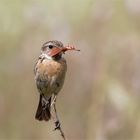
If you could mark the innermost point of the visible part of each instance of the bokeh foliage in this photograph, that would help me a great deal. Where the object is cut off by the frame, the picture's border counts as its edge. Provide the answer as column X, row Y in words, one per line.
column 101, row 95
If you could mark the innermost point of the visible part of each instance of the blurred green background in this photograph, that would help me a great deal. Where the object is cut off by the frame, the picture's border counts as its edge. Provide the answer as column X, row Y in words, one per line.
column 100, row 99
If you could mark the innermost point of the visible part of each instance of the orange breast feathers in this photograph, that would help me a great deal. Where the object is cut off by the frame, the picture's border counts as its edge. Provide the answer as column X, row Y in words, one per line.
column 51, row 67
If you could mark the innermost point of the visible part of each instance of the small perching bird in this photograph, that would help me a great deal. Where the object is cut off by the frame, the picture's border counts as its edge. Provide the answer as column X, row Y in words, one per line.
column 50, row 71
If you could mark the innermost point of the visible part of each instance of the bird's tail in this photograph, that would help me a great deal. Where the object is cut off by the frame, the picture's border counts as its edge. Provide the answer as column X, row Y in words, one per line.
column 43, row 110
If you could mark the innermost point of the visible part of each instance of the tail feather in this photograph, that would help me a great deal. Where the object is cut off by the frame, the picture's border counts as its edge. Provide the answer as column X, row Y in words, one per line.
column 43, row 110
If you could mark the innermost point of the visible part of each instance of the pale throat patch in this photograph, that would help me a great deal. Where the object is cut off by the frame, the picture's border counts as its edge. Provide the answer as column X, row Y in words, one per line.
column 46, row 56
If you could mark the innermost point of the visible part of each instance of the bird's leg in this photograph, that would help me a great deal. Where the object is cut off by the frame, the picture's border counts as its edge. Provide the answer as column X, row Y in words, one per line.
column 53, row 101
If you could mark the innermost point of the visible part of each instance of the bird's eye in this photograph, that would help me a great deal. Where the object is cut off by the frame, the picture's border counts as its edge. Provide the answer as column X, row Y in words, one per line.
column 50, row 46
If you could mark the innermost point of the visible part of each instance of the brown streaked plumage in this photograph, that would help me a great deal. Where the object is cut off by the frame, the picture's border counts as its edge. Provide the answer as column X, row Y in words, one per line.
column 50, row 72
column 49, row 76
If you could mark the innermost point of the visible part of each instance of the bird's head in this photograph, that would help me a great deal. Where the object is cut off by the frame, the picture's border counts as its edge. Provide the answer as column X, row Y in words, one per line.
column 54, row 49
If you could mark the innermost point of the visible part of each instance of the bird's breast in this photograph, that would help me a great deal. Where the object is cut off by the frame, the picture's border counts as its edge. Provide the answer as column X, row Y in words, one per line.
column 53, row 72
column 52, row 68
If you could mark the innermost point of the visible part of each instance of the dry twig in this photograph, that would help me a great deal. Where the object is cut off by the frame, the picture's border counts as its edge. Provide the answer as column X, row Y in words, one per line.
column 57, row 122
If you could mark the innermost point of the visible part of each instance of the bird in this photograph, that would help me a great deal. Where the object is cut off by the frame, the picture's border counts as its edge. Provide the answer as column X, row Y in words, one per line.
column 50, row 70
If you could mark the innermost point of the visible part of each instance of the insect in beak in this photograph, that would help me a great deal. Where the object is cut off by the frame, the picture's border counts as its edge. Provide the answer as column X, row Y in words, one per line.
column 69, row 47
column 57, row 50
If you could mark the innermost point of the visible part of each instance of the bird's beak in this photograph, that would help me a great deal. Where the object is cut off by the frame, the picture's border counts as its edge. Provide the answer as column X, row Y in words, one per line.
column 57, row 50
column 54, row 51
